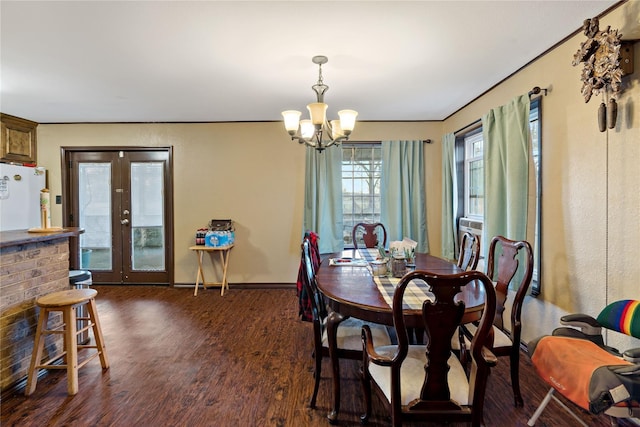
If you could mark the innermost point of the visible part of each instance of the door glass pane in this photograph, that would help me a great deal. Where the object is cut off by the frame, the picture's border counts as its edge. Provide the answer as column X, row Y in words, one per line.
column 147, row 216
column 94, row 193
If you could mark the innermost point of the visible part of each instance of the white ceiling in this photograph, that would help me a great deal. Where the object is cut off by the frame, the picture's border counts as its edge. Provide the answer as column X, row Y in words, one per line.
column 210, row 61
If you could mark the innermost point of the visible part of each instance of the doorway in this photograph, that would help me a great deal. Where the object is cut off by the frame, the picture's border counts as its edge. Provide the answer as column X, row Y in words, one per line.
column 123, row 199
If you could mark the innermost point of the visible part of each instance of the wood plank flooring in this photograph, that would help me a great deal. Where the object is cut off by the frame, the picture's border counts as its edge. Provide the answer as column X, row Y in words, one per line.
column 239, row 360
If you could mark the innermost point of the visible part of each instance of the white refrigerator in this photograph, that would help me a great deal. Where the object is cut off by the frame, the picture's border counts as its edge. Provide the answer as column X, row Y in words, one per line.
column 20, row 188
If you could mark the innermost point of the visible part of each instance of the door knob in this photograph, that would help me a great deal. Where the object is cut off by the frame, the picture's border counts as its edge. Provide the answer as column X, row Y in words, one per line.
column 124, row 221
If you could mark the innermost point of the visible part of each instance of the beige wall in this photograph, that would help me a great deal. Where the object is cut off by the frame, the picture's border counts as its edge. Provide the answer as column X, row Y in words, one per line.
column 250, row 172
column 591, row 196
column 253, row 173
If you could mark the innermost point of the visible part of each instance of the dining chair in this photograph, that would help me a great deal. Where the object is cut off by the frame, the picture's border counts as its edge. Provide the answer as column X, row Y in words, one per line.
column 348, row 331
column 367, row 234
column 467, row 260
column 428, row 382
column 502, row 266
column 469, row 252
column 304, row 299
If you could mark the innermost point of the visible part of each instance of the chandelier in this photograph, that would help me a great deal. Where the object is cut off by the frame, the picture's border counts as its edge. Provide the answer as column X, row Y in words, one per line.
column 317, row 132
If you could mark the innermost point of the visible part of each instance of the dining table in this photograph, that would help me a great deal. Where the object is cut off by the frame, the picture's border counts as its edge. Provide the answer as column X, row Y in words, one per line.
column 350, row 289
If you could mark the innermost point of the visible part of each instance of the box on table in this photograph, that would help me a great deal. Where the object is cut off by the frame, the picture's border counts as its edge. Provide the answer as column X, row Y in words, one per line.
column 217, row 239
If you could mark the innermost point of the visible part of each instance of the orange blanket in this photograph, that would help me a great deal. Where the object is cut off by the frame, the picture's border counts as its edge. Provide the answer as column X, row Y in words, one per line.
column 567, row 364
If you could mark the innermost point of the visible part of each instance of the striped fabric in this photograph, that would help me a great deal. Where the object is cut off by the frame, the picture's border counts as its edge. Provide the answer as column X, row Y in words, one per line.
column 415, row 293
column 622, row 316
column 370, row 254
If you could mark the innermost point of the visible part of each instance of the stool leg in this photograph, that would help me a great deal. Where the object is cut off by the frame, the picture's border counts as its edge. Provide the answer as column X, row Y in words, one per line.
column 36, row 356
column 97, row 333
column 71, row 348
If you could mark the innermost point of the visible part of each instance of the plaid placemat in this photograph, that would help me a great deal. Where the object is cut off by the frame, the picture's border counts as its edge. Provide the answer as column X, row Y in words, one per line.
column 370, row 254
column 415, row 293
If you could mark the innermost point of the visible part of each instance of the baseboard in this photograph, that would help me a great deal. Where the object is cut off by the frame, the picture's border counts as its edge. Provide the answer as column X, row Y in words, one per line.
column 243, row 286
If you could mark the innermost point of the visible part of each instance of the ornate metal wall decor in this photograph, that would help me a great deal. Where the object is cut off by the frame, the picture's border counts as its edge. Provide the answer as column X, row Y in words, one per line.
column 602, row 73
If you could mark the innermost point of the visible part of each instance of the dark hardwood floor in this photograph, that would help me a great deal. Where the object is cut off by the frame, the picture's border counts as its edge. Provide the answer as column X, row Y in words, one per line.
column 239, row 360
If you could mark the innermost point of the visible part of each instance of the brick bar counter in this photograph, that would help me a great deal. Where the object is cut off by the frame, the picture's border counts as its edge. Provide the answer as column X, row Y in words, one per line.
column 31, row 265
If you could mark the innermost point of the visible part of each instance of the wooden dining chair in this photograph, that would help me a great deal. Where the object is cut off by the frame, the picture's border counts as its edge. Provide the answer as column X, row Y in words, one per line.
column 304, row 299
column 348, row 332
column 428, row 382
column 502, row 265
column 469, row 252
column 367, row 234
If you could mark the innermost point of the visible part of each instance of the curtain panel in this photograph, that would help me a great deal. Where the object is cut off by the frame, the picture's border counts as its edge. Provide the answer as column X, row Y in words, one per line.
column 449, row 198
column 506, row 172
column 323, row 197
column 402, row 192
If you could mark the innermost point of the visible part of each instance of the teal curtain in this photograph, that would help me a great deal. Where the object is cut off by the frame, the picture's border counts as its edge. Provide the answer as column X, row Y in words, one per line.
column 402, row 192
column 506, row 171
column 323, row 197
column 449, row 197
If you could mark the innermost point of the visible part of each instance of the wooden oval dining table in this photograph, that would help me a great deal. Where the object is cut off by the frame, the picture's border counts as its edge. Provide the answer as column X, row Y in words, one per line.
column 351, row 291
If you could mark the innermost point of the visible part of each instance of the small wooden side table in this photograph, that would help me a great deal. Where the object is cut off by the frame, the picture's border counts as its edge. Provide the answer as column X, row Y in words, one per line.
column 224, row 259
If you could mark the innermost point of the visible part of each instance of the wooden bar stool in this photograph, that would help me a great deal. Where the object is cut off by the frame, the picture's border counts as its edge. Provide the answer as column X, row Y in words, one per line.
column 66, row 302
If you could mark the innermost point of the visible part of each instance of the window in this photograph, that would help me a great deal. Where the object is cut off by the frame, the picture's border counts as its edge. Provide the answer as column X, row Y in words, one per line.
column 534, row 128
column 473, row 175
column 361, row 168
column 470, row 147
column 473, row 163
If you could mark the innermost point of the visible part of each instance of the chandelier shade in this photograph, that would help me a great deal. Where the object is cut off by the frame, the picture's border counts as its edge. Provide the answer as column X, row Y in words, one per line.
column 318, row 132
column 291, row 121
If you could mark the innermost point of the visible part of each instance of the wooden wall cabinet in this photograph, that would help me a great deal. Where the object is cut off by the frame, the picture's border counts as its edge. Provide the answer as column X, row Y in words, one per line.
column 18, row 140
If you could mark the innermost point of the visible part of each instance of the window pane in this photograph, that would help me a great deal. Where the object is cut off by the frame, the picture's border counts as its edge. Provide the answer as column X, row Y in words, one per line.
column 476, row 148
column 476, row 188
column 474, row 175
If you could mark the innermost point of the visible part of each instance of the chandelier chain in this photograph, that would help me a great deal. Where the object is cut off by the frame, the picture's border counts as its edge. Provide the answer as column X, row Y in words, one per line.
column 320, row 88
